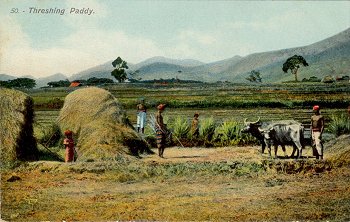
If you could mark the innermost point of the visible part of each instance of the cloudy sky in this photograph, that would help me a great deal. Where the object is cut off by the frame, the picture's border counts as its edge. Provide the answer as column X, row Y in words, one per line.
column 43, row 44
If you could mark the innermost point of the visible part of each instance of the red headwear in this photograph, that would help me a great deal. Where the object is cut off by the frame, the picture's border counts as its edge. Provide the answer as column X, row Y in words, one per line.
column 316, row 108
column 68, row 133
column 161, row 107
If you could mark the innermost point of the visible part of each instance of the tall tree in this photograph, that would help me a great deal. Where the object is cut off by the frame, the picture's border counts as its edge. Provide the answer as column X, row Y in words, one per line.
column 293, row 64
column 119, row 71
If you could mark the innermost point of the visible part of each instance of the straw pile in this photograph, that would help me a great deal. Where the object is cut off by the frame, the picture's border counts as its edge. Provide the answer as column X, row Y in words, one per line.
column 339, row 149
column 16, row 127
column 100, row 127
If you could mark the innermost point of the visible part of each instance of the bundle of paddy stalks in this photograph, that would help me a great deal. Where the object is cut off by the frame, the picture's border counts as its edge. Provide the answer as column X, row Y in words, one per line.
column 338, row 150
column 100, row 127
column 16, row 127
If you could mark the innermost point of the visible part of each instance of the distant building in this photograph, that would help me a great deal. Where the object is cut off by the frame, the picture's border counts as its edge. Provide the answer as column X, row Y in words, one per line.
column 75, row 84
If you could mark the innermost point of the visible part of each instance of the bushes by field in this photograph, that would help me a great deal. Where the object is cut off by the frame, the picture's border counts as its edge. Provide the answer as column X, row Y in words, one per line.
column 340, row 125
column 211, row 133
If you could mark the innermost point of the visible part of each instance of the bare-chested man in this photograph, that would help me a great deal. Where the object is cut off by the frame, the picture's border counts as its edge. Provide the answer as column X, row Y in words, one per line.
column 317, row 127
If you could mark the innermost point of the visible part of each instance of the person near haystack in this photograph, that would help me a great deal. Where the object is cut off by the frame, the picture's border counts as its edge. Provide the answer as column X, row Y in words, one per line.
column 68, row 142
column 160, row 130
column 317, row 127
column 141, row 116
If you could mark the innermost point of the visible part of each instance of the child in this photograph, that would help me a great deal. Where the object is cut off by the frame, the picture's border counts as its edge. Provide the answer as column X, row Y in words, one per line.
column 68, row 142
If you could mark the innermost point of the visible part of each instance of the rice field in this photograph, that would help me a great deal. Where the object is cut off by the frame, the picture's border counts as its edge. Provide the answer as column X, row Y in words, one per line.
column 233, row 183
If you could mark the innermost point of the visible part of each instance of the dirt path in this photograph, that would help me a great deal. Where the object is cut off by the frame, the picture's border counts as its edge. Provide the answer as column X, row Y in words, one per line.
column 56, row 191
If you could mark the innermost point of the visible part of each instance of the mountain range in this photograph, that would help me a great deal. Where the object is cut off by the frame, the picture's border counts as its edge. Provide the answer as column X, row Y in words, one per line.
column 330, row 56
column 327, row 57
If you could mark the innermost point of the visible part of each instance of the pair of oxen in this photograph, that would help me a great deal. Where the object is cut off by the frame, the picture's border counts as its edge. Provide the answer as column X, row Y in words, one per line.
column 283, row 132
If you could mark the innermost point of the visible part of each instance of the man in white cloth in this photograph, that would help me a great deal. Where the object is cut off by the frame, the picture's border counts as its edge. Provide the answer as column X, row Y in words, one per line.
column 317, row 127
column 141, row 116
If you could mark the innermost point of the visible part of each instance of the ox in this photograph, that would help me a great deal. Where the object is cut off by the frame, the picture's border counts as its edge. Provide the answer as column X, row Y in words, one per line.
column 284, row 134
column 254, row 128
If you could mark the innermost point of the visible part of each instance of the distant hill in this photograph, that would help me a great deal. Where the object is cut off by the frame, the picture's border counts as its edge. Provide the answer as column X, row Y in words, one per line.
column 5, row 77
column 104, row 70
column 100, row 71
column 53, row 78
column 327, row 57
column 161, row 60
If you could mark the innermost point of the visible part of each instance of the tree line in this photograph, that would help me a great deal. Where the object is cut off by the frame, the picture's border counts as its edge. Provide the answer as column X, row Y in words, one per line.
column 26, row 83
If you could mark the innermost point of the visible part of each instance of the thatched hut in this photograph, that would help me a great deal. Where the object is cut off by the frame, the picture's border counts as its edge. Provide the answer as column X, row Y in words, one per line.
column 100, row 126
column 16, row 127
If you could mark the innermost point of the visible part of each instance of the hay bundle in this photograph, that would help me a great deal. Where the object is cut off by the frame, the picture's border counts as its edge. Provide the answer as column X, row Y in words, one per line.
column 339, row 149
column 101, row 128
column 16, row 127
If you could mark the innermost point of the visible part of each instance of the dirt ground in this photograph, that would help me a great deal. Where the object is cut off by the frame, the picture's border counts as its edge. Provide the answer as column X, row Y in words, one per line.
column 53, row 191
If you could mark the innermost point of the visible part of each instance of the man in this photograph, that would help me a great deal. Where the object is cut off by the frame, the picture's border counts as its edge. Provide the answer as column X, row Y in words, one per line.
column 317, row 127
column 141, row 116
column 195, row 126
column 160, row 130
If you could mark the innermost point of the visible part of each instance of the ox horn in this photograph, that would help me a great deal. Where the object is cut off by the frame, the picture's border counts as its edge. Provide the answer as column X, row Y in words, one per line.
column 257, row 121
column 245, row 121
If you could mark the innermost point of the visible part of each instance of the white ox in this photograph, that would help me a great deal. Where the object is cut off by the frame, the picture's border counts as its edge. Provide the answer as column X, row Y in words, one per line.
column 284, row 134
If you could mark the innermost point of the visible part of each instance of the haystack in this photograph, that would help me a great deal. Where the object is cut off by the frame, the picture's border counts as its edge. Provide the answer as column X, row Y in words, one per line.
column 100, row 126
column 16, row 127
column 339, row 149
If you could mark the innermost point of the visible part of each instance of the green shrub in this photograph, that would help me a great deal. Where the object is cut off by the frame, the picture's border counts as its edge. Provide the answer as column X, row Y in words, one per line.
column 228, row 133
column 207, row 130
column 340, row 125
column 181, row 127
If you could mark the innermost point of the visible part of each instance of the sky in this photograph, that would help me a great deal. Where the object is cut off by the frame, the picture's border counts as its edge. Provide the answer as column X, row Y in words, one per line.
column 41, row 44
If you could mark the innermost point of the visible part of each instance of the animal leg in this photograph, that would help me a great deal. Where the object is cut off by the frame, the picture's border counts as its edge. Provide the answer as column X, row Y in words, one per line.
column 299, row 147
column 263, row 146
column 293, row 152
column 284, row 150
column 269, row 149
column 275, row 149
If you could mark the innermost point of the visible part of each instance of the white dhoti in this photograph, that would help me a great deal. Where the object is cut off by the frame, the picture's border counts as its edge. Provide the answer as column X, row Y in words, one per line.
column 141, row 120
column 316, row 138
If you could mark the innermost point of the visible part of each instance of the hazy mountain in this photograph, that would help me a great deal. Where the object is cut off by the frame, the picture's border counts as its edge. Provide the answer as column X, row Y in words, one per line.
column 326, row 57
column 161, row 60
column 5, row 77
column 100, row 71
column 52, row 78
column 104, row 70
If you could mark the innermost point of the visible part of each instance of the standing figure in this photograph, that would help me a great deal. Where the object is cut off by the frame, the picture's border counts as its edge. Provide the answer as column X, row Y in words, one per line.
column 68, row 142
column 317, row 127
column 160, row 130
column 141, row 116
column 195, row 126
